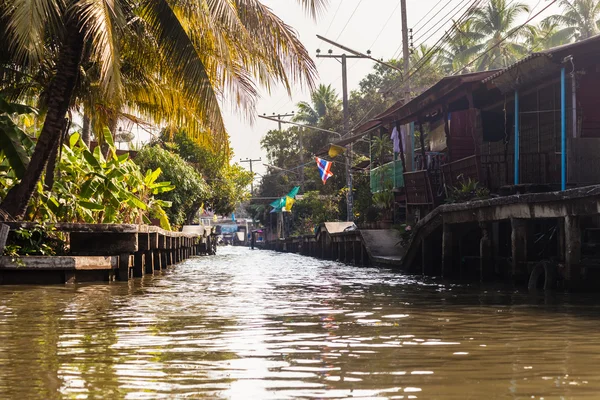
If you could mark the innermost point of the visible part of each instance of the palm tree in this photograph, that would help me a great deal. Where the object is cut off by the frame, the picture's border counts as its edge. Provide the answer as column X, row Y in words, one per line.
column 430, row 68
column 456, row 55
column 494, row 22
column 192, row 53
column 324, row 100
column 544, row 36
column 580, row 19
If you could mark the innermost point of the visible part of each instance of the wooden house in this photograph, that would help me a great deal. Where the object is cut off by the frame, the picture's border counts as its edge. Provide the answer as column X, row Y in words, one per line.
column 534, row 125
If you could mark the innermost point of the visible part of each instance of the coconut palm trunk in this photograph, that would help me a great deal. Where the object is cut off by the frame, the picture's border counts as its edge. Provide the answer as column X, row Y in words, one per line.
column 59, row 98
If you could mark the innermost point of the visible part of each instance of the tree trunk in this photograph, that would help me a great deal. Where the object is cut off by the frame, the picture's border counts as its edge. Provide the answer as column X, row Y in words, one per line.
column 59, row 98
column 85, row 131
column 53, row 159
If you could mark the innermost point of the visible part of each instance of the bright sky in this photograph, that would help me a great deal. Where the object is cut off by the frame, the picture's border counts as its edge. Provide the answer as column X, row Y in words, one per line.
column 359, row 24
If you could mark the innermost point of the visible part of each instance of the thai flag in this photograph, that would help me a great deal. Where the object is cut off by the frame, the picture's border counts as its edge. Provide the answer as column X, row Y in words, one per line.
column 324, row 169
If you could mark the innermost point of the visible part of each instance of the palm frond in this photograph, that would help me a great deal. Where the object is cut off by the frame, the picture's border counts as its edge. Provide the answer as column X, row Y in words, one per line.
column 28, row 22
column 103, row 22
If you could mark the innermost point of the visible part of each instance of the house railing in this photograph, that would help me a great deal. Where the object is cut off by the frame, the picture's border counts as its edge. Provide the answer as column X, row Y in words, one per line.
column 462, row 170
column 494, row 170
column 418, row 189
column 389, row 175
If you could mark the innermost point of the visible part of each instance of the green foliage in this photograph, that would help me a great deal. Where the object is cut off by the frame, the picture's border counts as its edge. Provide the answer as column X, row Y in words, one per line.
column 380, row 148
column 384, row 200
column 89, row 188
column 190, row 189
column 314, row 209
column 15, row 146
column 228, row 184
column 467, row 190
column 405, row 232
column 39, row 240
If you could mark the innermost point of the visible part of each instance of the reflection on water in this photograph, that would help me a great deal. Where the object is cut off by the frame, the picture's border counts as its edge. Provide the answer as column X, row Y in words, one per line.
column 261, row 325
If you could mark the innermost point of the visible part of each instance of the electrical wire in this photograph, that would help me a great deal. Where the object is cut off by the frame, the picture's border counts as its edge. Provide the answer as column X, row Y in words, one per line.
column 349, row 19
column 419, row 65
column 425, row 16
column 430, row 19
column 385, row 25
column 512, row 32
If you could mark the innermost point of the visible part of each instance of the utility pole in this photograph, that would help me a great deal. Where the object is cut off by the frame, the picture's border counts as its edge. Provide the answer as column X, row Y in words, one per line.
column 279, row 117
column 249, row 160
column 406, row 61
column 348, row 155
column 405, row 50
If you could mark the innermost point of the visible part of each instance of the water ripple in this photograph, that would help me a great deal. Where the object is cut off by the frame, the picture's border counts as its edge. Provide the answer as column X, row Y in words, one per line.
column 261, row 325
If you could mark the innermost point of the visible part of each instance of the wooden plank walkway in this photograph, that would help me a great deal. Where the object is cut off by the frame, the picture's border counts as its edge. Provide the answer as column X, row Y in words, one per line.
column 106, row 252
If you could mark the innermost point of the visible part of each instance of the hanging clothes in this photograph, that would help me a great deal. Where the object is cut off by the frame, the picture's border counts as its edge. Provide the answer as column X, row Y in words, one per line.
column 396, row 140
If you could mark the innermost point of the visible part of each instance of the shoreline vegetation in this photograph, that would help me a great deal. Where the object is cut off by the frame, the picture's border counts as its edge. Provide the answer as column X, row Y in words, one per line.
column 157, row 64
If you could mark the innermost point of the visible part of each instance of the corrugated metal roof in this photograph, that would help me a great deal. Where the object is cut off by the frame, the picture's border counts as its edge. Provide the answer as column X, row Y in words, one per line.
column 555, row 54
column 443, row 87
column 515, row 65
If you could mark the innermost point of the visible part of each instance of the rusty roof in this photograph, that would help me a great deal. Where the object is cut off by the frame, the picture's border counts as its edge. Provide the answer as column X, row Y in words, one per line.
column 539, row 65
column 431, row 96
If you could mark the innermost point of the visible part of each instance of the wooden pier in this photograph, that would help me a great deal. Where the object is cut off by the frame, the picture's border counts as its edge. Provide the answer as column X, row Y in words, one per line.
column 107, row 252
column 538, row 240
column 341, row 241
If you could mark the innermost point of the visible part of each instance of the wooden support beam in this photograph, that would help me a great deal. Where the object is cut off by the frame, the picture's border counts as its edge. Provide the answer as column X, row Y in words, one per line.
column 519, row 247
column 426, row 256
column 102, row 244
column 149, row 262
column 123, row 274
column 486, row 260
column 447, row 250
column 138, row 264
column 3, row 236
column 572, row 250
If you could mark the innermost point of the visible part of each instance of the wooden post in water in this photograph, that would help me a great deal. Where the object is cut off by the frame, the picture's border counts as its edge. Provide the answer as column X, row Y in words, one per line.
column 426, row 256
column 486, row 260
column 572, row 250
column 447, row 250
column 518, row 240
column 138, row 264
column 123, row 274
column 4, row 229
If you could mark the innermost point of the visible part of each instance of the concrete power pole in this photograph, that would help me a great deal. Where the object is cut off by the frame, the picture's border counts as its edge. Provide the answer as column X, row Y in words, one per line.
column 348, row 156
column 249, row 160
column 348, row 153
column 405, row 50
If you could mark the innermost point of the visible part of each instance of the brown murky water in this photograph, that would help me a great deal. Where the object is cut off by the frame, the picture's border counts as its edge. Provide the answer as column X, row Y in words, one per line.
column 261, row 325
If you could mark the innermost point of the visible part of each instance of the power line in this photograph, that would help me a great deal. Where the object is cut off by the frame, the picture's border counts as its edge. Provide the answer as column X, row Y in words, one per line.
column 422, row 62
column 384, row 25
column 512, row 32
column 443, row 22
column 432, row 17
column 439, row 28
column 349, row 19
column 430, row 11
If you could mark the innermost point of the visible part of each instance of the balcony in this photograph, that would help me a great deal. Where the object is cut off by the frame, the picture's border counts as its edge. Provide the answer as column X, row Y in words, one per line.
column 389, row 175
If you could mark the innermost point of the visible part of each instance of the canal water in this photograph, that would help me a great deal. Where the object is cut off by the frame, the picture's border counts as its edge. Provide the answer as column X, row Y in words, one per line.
column 262, row 325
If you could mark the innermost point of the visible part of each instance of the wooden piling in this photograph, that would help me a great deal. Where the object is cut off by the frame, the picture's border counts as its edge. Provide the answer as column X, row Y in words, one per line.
column 486, row 260
column 447, row 250
column 572, row 250
column 519, row 246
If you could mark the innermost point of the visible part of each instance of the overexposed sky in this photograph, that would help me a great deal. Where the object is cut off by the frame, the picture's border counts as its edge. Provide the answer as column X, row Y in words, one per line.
column 359, row 24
